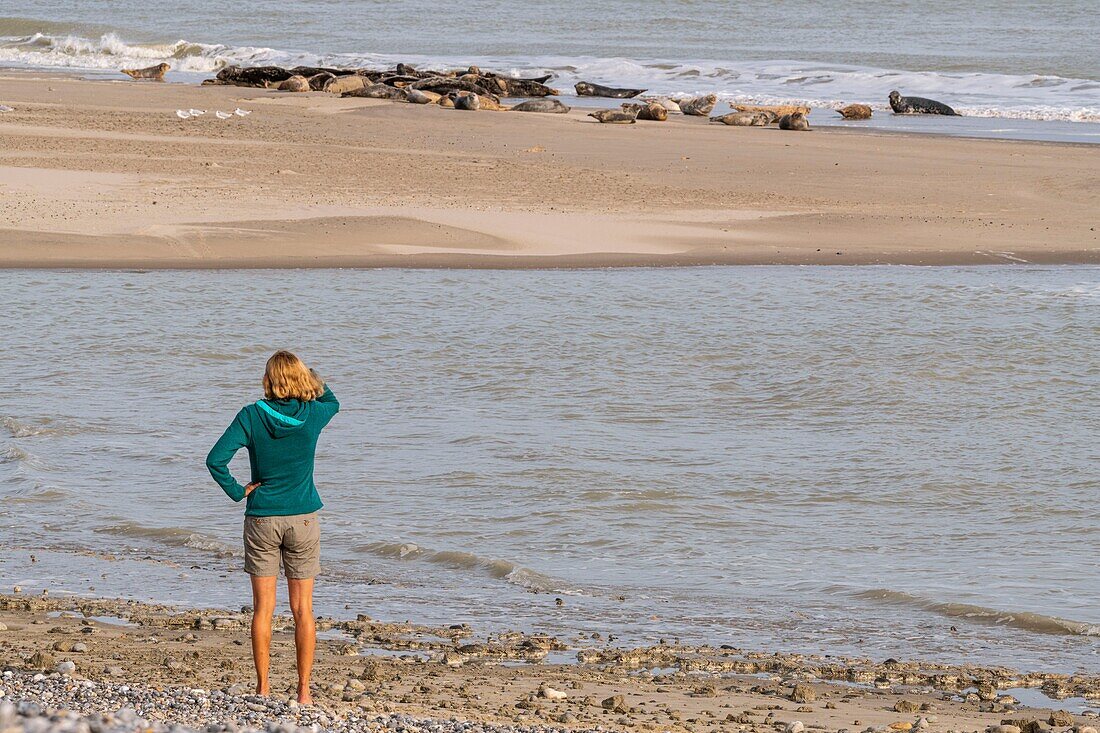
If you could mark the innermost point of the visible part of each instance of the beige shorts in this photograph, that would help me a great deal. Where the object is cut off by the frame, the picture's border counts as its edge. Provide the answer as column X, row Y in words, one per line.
column 294, row 539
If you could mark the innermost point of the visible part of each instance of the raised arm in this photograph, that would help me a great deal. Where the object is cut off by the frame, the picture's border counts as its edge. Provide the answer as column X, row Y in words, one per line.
column 328, row 403
column 233, row 439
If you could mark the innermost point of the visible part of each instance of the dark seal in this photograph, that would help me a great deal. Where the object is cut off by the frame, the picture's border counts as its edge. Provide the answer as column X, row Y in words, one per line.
column 919, row 106
column 587, row 89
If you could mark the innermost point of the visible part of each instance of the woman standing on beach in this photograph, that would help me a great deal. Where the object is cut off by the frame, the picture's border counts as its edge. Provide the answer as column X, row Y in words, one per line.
column 280, row 518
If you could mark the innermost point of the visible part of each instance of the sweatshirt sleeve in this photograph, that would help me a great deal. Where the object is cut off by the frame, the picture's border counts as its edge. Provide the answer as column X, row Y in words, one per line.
column 233, row 439
column 328, row 404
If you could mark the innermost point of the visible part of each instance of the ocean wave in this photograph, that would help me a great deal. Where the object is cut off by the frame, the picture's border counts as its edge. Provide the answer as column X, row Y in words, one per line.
column 1010, row 96
column 466, row 561
column 15, row 455
column 45, row 426
column 37, row 494
column 1023, row 620
column 172, row 536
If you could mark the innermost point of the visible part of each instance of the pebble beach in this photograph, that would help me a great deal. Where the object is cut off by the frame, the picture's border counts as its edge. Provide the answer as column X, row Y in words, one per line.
column 100, row 665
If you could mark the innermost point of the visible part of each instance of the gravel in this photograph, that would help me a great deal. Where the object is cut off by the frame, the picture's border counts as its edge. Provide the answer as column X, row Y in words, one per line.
column 58, row 703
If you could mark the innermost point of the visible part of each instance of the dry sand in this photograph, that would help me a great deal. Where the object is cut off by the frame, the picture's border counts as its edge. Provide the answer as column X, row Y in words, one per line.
column 453, row 672
column 103, row 174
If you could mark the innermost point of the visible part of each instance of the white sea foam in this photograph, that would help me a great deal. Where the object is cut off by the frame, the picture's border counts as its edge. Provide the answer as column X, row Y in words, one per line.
column 1012, row 96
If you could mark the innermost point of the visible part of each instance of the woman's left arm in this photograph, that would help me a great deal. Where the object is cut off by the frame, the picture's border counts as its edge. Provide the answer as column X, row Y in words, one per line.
column 233, row 439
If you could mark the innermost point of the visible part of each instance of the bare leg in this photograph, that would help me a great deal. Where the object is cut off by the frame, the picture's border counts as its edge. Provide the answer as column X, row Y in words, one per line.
column 263, row 607
column 305, row 632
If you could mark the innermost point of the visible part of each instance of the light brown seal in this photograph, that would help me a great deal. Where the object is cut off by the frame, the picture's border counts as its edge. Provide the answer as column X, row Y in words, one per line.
column 855, row 112
column 156, row 73
column 342, row 84
column 778, row 109
column 651, row 111
column 614, row 116
column 794, row 121
column 744, row 119
column 419, row 96
column 699, row 106
column 294, row 84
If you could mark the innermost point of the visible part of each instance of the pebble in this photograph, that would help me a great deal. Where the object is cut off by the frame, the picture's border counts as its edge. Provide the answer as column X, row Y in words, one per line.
column 66, row 667
column 802, row 694
column 796, row 727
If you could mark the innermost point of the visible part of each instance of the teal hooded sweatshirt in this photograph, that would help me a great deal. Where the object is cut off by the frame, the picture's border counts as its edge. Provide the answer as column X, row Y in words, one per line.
column 281, row 437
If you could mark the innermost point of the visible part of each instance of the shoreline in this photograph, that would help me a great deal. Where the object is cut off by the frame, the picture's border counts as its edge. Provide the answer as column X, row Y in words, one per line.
column 375, row 668
column 100, row 174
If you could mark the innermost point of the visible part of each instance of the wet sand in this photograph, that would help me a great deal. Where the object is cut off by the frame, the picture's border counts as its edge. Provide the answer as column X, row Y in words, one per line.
column 103, row 174
column 367, row 667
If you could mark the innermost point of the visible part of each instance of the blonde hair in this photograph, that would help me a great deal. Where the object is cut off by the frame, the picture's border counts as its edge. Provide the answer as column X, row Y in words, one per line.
column 287, row 377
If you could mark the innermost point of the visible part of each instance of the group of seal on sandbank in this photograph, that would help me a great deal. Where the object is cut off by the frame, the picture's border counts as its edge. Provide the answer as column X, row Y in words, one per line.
column 466, row 89
column 787, row 117
column 474, row 89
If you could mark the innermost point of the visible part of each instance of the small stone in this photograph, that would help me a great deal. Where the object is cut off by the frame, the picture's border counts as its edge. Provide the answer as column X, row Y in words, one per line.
column 567, row 718
column 548, row 692
column 3, row 627
column 66, row 667
column 1003, row 729
column 795, row 727
column 41, row 660
column 1061, row 719
column 901, row 725
column 80, row 647
column 802, row 694
column 1085, row 729
column 906, row 706
column 616, row 703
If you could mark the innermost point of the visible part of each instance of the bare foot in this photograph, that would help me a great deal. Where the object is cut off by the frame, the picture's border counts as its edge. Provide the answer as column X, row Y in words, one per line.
column 263, row 689
column 304, row 698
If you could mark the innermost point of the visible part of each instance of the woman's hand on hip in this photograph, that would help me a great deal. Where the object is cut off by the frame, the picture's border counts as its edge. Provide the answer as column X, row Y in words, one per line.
column 251, row 487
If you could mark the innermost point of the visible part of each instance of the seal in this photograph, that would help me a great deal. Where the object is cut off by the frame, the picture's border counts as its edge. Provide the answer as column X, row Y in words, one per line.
column 467, row 101
column 614, row 116
column 652, row 111
column 919, row 106
column 699, row 106
column 744, row 119
column 550, row 106
column 418, row 96
column 587, row 89
column 253, row 76
column 855, row 112
column 294, row 84
column 376, row 91
column 318, row 80
column 156, row 73
column 776, row 109
column 341, row 84
column 794, row 121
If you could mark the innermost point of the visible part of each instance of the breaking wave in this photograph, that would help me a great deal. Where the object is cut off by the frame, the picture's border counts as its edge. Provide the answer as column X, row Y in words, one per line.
column 1023, row 620
column 172, row 536
column 1012, row 96
column 45, row 426
column 465, row 561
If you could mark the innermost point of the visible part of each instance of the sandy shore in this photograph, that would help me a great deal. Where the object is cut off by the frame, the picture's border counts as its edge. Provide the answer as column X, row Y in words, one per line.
column 103, row 174
column 368, row 667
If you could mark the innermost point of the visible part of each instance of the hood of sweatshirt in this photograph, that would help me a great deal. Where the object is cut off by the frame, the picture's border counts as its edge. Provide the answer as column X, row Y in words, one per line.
column 283, row 417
